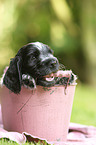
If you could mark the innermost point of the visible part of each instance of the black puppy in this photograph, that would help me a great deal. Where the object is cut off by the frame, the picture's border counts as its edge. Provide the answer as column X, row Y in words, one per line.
column 32, row 62
column 30, row 65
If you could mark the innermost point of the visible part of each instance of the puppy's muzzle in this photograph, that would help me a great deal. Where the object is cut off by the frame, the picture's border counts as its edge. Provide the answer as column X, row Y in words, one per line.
column 52, row 63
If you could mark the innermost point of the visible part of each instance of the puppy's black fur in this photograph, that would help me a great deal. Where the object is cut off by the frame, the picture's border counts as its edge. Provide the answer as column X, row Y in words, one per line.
column 34, row 60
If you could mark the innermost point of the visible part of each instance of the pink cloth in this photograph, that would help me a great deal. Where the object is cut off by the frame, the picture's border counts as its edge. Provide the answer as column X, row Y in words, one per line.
column 78, row 135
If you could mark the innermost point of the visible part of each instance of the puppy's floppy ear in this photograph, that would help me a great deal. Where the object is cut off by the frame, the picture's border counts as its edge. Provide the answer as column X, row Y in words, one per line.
column 13, row 76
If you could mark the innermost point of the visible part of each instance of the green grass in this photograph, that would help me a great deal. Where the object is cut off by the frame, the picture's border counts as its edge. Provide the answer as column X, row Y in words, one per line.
column 84, row 110
column 84, row 105
column 8, row 142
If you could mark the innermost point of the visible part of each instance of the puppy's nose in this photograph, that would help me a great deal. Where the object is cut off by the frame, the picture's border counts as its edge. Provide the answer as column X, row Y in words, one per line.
column 53, row 63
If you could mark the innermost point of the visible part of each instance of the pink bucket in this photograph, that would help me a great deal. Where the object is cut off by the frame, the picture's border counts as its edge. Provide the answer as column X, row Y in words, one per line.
column 43, row 112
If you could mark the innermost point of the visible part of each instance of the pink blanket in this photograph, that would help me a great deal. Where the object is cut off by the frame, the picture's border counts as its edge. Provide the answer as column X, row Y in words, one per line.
column 78, row 135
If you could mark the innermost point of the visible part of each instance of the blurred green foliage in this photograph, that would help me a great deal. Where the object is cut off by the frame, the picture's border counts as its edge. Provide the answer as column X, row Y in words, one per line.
column 67, row 26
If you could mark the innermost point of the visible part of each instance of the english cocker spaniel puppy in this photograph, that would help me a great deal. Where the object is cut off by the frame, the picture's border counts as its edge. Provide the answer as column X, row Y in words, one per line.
column 30, row 67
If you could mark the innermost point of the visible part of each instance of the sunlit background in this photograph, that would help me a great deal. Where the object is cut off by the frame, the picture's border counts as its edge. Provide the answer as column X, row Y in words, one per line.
column 69, row 28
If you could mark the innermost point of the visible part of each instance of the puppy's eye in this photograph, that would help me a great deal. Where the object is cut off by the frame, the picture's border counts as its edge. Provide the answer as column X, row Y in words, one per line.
column 31, row 58
column 35, row 55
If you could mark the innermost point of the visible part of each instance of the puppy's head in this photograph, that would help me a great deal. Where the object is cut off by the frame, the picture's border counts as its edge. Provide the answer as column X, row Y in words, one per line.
column 35, row 59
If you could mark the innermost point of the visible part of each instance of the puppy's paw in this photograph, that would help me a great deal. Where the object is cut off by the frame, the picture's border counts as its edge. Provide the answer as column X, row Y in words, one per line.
column 28, row 81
